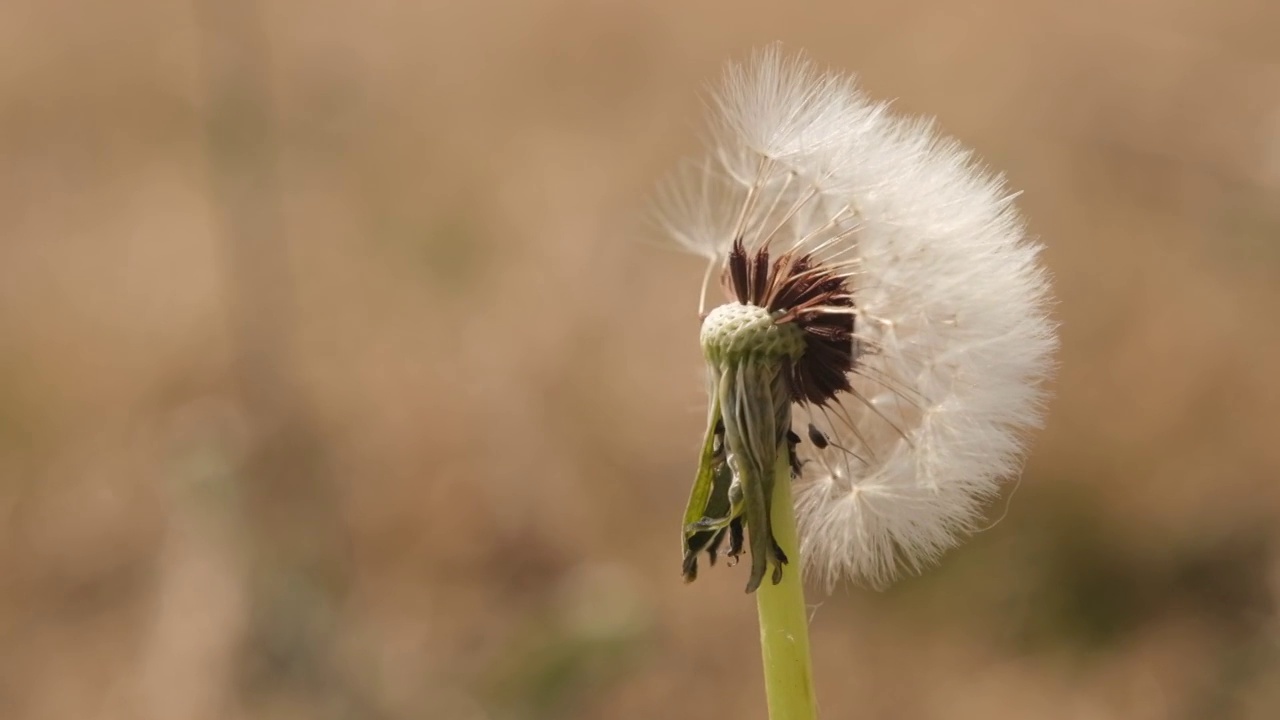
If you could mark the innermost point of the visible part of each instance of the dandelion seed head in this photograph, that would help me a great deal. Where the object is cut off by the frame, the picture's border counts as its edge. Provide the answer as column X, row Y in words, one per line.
column 905, row 269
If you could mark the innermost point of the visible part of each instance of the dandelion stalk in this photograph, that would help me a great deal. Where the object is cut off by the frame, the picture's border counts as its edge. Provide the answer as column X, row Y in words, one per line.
column 784, row 619
column 745, row 480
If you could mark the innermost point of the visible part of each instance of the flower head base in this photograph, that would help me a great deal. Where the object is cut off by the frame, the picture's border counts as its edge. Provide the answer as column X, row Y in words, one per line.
column 883, row 298
column 739, row 333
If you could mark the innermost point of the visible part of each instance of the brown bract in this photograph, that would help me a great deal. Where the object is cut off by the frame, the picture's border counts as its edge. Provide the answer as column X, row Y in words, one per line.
column 797, row 290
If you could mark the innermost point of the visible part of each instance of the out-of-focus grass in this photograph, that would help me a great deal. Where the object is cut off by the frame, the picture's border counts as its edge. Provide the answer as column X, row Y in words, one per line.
column 494, row 386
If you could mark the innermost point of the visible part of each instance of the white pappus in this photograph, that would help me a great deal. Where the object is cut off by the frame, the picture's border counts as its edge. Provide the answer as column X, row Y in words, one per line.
column 917, row 308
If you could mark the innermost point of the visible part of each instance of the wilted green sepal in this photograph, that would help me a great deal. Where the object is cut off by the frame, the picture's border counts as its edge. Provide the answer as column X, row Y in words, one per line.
column 708, row 497
column 749, row 359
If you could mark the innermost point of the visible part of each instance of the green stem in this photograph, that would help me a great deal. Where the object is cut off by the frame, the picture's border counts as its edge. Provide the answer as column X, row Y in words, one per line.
column 784, row 618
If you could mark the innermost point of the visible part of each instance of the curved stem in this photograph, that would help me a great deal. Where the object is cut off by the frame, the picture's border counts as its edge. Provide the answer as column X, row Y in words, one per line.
column 784, row 618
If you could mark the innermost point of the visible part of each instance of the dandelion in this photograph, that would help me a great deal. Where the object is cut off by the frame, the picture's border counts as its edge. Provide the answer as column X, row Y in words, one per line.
column 882, row 344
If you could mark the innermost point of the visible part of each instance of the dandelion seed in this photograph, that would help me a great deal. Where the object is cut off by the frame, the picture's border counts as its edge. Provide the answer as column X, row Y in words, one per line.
column 882, row 296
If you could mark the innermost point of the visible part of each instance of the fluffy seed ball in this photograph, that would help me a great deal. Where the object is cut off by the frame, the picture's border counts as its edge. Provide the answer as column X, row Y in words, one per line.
column 951, row 338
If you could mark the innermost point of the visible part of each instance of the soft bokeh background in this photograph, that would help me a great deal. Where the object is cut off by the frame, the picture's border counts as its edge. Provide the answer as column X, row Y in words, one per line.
column 341, row 377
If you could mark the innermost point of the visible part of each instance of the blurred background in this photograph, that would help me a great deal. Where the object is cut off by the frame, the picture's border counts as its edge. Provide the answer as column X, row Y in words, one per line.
column 341, row 375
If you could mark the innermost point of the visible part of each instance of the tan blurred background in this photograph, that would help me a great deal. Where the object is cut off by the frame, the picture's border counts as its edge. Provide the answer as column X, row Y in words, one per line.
column 341, row 376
